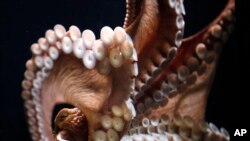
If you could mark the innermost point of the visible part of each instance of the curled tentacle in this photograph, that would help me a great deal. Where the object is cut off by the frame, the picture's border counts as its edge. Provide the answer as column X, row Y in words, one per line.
column 147, row 61
column 94, row 75
column 185, row 79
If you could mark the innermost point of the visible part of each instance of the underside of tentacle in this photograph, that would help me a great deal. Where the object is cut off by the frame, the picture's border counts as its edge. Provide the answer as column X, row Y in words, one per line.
column 157, row 33
column 176, row 129
column 169, row 77
column 141, row 82
column 96, row 76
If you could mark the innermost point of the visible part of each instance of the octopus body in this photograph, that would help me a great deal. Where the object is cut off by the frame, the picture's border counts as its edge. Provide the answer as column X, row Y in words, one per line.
column 142, row 81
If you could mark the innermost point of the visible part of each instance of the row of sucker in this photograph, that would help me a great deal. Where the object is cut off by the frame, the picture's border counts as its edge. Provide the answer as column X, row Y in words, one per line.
column 130, row 12
column 114, row 46
column 163, row 53
column 180, row 23
column 110, row 51
column 176, row 129
column 185, row 72
column 31, row 95
column 115, row 122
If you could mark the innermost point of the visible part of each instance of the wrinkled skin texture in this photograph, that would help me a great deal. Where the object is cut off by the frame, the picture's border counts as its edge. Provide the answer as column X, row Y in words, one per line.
column 183, row 90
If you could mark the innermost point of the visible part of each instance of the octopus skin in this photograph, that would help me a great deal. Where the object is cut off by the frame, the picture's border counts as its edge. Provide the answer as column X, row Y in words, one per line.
column 142, row 81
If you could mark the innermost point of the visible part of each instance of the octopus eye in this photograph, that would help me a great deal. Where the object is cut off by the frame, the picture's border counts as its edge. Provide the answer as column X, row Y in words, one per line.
column 63, row 116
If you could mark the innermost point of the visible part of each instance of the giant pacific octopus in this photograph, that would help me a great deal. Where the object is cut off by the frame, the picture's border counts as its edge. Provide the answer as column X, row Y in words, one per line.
column 139, row 82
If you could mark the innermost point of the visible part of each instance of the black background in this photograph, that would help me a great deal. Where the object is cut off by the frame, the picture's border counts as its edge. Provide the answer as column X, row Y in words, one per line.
column 23, row 22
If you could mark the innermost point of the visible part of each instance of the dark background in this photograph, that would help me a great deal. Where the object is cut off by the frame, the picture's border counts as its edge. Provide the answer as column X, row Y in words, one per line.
column 23, row 22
